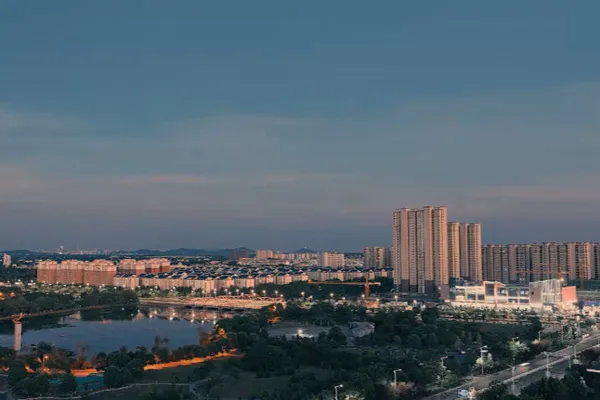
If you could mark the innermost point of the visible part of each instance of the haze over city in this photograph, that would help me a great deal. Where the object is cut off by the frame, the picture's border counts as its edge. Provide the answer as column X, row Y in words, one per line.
column 136, row 125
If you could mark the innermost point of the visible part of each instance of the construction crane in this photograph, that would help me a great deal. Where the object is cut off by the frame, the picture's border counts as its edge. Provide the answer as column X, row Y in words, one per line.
column 366, row 284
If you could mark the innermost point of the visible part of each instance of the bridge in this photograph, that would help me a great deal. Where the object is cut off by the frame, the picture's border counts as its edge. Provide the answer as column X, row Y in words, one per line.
column 22, row 316
column 18, row 318
column 228, row 303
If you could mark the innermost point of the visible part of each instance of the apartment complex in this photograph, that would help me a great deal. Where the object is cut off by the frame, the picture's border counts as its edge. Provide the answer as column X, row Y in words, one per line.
column 454, row 250
column 264, row 254
column 524, row 263
column 335, row 260
column 95, row 273
column 470, row 251
column 7, row 260
column 420, row 248
column 376, row 257
column 464, row 251
column 152, row 265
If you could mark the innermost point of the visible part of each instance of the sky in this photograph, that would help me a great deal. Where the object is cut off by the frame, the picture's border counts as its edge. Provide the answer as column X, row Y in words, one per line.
column 270, row 124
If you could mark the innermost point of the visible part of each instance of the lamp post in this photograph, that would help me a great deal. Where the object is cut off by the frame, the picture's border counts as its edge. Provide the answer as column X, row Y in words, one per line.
column 336, row 388
column 396, row 376
column 482, row 350
column 547, row 364
column 512, row 384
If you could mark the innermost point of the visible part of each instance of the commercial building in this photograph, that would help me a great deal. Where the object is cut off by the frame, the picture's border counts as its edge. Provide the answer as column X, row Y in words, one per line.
column 335, row 260
column 420, row 249
column 546, row 294
column 376, row 257
column 6, row 260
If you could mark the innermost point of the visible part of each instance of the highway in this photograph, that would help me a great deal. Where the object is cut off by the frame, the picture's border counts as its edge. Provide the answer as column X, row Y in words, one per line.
column 526, row 373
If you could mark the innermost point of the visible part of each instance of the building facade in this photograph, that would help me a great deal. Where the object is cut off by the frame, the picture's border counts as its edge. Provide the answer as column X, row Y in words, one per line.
column 376, row 257
column 420, row 248
column 327, row 259
column 470, row 251
column 6, row 260
column 526, row 263
column 454, row 250
column 264, row 254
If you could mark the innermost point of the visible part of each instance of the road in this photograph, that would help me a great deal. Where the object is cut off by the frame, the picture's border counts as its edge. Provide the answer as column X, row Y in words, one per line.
column 526, row 373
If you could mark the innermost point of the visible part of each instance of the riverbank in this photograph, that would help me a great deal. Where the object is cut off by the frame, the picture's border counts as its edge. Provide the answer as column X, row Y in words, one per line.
column 81, row 373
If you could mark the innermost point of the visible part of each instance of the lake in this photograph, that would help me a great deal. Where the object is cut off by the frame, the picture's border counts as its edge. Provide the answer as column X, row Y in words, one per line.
column 110, row 330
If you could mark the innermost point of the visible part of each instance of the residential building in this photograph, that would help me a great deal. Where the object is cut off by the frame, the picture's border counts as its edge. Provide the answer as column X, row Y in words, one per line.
column 420, row 249
column 335, row 260
column 470, row 251
column 264, row 254
column 581, row 258
column 7, row 260
column 376, row 257
column 454, row 250
column 495, row 260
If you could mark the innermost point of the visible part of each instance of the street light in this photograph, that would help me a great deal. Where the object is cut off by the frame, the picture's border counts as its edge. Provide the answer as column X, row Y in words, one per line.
column 335, row 388
column 483, row 350
column 513, row 387
column 300, row 332
column 396, row 376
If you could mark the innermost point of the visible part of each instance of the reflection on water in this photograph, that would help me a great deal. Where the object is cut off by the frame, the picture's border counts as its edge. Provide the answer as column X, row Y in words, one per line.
column 109, row 330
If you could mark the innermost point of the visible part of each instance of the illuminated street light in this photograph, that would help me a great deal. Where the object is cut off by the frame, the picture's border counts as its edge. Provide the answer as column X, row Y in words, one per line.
column 396, row 376
column 335, row 388
column 300, row 332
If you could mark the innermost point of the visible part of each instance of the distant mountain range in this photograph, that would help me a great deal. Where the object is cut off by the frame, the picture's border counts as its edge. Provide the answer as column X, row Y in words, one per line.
column 181, row 252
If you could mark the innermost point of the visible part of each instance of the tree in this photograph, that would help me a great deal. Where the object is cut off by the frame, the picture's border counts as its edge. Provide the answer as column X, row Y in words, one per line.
column 35, row 386
column 413, row 341
column 16, row 372
column 112, row 377
column 136, row 367
column 337, row 336
column 68, row 383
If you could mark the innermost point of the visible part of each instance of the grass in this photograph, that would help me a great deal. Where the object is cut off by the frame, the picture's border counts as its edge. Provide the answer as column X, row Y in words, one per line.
column 136, row 392
column 248, row 385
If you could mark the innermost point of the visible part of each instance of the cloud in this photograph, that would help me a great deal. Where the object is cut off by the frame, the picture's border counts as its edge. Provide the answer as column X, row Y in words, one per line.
column 508, row 155
column 160, row 179
column 15, row 121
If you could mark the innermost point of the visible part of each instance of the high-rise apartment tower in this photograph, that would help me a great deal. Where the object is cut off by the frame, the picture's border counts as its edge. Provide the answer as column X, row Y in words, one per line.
column 420, row 248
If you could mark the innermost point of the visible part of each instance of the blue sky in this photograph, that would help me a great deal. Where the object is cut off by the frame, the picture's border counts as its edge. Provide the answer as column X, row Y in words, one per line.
column 279, row 125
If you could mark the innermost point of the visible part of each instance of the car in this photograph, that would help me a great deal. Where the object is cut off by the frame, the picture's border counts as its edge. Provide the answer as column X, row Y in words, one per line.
column 463, row 393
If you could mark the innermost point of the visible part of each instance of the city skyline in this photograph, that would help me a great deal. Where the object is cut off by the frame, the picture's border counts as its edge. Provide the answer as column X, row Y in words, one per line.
column 208, row 126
